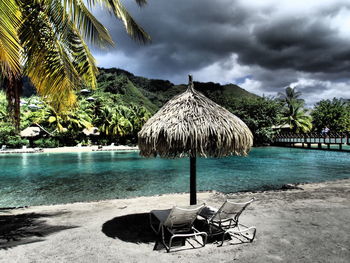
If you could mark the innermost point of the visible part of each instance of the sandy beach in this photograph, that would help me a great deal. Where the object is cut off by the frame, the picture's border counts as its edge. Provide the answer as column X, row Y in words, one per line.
column 300, row 225
column 71, row 149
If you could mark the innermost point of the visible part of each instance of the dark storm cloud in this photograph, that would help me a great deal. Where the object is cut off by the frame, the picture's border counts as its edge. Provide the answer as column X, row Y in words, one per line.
column 275, row 48
column 186, row 35
column 300, row 45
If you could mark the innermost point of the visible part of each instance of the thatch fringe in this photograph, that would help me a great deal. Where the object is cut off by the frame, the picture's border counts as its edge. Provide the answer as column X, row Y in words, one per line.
column 191, row 124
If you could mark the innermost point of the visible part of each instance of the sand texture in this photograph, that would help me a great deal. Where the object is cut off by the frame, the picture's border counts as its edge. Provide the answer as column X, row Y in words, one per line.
column 309, row 225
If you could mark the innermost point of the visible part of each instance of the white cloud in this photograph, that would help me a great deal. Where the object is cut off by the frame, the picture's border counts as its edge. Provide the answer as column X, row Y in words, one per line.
column 292, row 7
column 317, row 90
column 256, row 87
column 340, row 22
column 224, row 72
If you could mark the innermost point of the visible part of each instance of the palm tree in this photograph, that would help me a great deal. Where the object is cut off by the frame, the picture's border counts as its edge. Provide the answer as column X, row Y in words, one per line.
column 117, row 121
column 291, row 96
column 45, row 40
column 139, row 117
column 59, row 122
column 297, row 118
column 294, row 113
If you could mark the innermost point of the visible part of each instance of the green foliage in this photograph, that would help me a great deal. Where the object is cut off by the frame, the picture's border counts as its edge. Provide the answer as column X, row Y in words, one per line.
column 297, row 119
column 16, row 142
column 334, row 114
column 8, row 134
column 153, row 93
column 291, row 97
column 9, row 137
column 123, row 103
column 118, row 87
column 73, row 120
column 260, row 114
column 46, row 143
column 294, row 113
column 3, row 107
column 45, row 40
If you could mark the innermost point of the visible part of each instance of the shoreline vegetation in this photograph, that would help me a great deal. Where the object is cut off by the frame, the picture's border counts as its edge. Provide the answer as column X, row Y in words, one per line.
column 307, row 225
column 97, row 148
column 69, row 149
column 121, row 104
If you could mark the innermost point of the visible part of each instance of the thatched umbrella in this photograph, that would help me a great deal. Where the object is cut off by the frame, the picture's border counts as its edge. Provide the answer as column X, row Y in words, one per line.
column 30, row 132
column 192, row 125
column 91, row 131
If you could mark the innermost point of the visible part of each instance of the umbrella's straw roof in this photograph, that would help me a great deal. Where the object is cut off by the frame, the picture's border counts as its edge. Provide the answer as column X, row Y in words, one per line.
column 191, row 124
column 30, row 132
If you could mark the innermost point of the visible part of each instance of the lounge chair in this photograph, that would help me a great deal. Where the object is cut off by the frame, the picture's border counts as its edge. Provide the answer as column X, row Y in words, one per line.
column 225, row 220
column 177, row 221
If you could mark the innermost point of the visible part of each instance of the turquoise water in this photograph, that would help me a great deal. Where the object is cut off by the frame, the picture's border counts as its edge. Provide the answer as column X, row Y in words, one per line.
column 34, row 179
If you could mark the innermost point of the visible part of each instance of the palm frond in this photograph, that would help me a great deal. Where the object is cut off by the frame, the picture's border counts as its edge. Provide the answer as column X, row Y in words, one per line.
column 141, row 2
column 58, row 60
column 131, row 26
column 9, row 43
column 82, row 59
column 87, row 24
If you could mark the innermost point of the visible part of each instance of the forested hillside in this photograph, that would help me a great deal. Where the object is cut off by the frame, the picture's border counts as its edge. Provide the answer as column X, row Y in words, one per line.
column 153, row 93
column 115, row 110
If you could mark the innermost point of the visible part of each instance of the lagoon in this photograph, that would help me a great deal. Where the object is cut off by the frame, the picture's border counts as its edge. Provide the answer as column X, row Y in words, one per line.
column 54, row 178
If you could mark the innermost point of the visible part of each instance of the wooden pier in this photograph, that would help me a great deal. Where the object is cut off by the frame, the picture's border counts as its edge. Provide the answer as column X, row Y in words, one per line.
column 313, row 140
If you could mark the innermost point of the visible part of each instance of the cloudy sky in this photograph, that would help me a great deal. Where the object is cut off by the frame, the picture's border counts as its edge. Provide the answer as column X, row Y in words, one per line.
column 262, row 46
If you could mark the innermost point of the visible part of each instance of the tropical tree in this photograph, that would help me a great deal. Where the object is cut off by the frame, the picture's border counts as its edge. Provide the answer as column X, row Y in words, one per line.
column 334, row 114
column 297, row 118
column 291, row 97
column 117, row 121
column 294, row 113
column 45, row 40
column 139, row 116
column 3, row 105
column 260, row 114
column 54, row 122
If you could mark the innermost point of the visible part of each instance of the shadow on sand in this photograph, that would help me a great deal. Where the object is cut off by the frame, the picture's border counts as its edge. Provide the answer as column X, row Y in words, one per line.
column 133, row 228
column 26, row 228
column 136, row 228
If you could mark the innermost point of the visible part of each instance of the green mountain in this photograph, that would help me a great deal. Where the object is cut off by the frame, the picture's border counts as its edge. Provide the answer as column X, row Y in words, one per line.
column 153, row 93
column 117, row 86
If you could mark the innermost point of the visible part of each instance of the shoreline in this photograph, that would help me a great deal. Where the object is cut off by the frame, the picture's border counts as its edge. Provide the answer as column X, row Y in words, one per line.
column 308, row 225
column 284, row 188
column 298, row 187
column 71, row 149
column 95, row 148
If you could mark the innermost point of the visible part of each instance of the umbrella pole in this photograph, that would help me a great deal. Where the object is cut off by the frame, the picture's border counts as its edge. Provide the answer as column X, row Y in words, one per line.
column 193, row 191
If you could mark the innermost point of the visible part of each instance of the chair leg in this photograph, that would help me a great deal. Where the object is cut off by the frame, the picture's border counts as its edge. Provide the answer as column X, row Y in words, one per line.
column 223, row 238
column 153, row 224
column 205, row 239
column 163, row 241
column 185, row 236
column 240, row 232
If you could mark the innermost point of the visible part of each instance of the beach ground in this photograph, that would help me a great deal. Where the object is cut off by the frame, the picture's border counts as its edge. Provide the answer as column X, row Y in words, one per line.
column 69, row 149
column 308, row 225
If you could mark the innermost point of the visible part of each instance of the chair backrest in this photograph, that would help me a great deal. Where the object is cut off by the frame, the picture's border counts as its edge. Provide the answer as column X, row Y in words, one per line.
column 183, row 217
column 230, row 210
